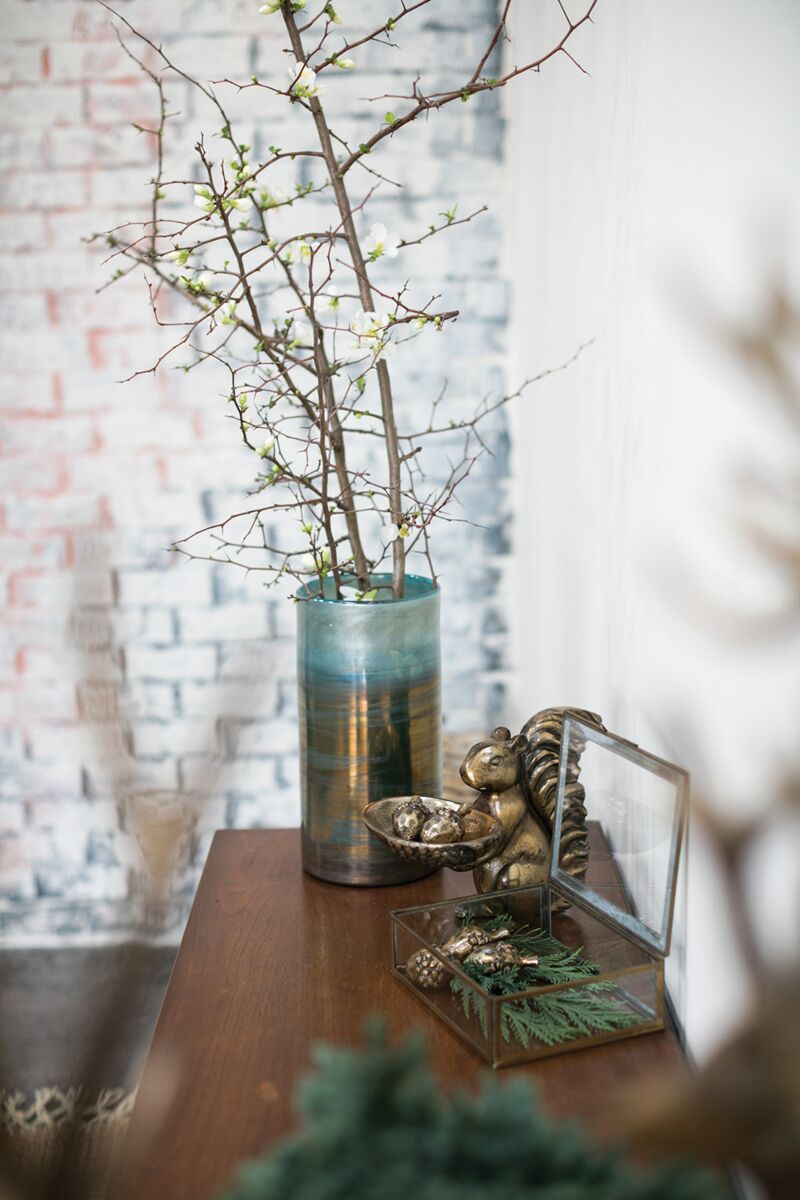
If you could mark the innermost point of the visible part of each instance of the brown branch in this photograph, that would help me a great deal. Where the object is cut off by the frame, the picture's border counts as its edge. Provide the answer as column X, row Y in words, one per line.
column 448, row 224
column 471, row 88
column 405, row 11
column 284, row 369
column 365, row 292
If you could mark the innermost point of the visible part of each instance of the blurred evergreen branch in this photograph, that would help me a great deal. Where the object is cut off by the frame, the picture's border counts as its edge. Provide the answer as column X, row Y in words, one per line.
column 376, row 1128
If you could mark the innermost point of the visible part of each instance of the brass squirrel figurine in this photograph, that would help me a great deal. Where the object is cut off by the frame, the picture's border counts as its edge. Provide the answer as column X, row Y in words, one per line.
column 518, row 781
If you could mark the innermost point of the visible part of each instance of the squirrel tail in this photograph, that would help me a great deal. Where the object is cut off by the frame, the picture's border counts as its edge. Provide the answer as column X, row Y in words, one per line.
column 543, row 734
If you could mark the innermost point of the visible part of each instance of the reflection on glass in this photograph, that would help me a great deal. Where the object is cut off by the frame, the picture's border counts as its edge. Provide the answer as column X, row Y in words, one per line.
column 635, row 809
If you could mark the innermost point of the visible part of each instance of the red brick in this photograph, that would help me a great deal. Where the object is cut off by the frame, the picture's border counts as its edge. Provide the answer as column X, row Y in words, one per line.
column 42, row 106
column 28, row 550
column 53, row 437
column 66, row 511
column 48, row 478
column 30, row 271
column 20, row 63
column 75, row 61
column 44, row 190
column 40, row 589
column 29, row 392
column 78, row 146
column 130, row 101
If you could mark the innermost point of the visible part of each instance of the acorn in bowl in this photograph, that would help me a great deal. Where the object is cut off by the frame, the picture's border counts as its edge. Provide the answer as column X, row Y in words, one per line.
column 440, row 833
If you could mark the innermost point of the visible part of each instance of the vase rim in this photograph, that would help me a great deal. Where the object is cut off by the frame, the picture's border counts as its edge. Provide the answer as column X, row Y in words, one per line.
column 417, row 588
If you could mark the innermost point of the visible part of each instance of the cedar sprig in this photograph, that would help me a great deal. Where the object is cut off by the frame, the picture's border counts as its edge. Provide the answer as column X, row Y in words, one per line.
column 555, row 1017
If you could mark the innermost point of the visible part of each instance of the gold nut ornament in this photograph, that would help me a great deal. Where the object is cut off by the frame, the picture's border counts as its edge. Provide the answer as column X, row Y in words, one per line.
column 409, row 817
column 472, row 826
column 442, row 828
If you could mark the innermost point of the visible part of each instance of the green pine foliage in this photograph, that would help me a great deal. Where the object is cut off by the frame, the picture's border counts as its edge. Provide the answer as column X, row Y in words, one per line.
column 376, row 1128
column 555, row 1017
column 564, row 1016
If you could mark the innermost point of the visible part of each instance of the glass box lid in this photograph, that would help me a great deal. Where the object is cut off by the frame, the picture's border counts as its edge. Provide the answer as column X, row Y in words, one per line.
column 635, row 813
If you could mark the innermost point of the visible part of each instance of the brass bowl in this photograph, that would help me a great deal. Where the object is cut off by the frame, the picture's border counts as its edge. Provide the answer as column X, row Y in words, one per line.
column 459, row 856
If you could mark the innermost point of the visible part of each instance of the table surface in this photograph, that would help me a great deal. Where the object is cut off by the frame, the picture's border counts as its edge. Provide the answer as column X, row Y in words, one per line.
column 273, row 961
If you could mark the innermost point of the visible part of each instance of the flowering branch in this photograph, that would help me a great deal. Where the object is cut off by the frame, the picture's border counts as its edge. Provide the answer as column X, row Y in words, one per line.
column 271, row 303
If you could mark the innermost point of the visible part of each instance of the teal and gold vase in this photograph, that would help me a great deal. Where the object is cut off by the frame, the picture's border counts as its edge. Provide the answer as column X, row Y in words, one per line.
column 369, row 703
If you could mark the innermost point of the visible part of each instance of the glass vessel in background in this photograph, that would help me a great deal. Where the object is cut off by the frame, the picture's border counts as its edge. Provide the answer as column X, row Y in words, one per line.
column 369, row 708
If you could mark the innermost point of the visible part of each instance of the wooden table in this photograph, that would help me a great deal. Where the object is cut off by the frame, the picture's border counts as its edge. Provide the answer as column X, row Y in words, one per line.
column 271, row 962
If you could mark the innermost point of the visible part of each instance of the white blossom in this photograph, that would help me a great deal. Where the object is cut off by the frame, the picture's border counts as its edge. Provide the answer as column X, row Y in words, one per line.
column 273, row 194
column 272, row 6
column 317, row 561
column 303, row 81
column 344, row 64
column 391, row 532
column 267, row 448
column 380, row 242
column 352, row 591
column 204, row 198
column 241, row 203
column 179, row 256
column 369, row 330
column 369, row 324
column 302, row 331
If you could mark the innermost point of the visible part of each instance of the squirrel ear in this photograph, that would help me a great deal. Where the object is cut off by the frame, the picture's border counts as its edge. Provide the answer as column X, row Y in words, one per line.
column 519, row 743
column 501, row 734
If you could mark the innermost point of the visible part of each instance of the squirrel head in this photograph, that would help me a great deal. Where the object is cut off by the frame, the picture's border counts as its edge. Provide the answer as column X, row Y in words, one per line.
column 494, row 765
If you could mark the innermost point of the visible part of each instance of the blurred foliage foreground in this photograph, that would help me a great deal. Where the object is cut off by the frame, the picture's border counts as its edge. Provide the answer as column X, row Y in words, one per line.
column 375, row 1126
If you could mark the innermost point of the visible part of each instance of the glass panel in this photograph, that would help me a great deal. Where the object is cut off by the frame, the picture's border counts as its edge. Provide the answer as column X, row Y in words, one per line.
column 576, row 1015
column 455, row 998
column 635, row 810
column 615, row 992
column 608, row 948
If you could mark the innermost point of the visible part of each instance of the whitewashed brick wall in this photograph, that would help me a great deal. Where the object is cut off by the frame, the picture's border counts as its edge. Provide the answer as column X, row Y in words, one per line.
column 122, row 667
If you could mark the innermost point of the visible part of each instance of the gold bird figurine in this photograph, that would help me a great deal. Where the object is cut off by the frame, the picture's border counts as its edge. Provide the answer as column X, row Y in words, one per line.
column 498, row 956
column 470, row 938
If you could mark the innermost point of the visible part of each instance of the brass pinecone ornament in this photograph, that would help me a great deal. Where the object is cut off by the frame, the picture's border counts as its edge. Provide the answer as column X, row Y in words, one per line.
column 430, row 973
column 426, row 970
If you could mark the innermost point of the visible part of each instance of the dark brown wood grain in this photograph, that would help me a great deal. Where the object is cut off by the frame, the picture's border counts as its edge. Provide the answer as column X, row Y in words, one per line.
column 273, row 961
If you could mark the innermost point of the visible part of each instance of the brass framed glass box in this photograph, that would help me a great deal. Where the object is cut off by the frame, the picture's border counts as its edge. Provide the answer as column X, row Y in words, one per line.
column 600, row 940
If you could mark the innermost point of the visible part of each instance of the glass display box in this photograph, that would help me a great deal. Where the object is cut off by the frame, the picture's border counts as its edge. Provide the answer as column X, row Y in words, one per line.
column 615, row 922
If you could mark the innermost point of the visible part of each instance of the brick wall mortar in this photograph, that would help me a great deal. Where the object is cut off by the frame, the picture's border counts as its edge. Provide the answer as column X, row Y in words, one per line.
column 119, row 664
